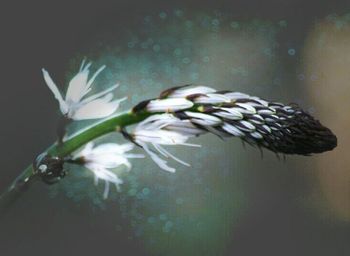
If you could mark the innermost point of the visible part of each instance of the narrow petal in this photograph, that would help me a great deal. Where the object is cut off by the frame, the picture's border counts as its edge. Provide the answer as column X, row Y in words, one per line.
column 246, row 108
column 92, row 79
column 168, row 154
column 232, row 130
column 212, row 98
column 106, row 191
column 98, row 108
column 203, row 119
column 100, row 94
column 229, row 113
column 184, row 92
column 184, row 130
column 87, row 150
column 77, row 86
column 256, row 135
column 50, row 83
column 237, row 95
column 160, row 162
column 160, row 137
column 169, row 105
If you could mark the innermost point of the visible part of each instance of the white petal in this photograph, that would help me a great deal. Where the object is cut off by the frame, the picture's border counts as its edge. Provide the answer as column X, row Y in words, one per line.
column 232, row 130
column 236, row 95
column 256, row 135
column 229, row 113
column 261, row 101
column 203, row 119
column 212, row 98
column 166, row 153
column 98, row 108
column 246, row 108
column 50, row 83
column 266, row 112
column 169, row 105
column 156, row 122
column 109, row 161
column 103, row 173
column 98, row 95
column 82, row 65
column 106, row 175
column 160, row 137
column 77, row 86
column 160, row 162
column 113, row 148
column 267, row 128
column 248, row 125
column 183, row 92
column 184, row 130
column 92, row 79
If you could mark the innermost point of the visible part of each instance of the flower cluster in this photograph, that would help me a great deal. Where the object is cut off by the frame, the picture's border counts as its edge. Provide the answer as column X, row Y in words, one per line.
column 285, row 129
column 177, row 115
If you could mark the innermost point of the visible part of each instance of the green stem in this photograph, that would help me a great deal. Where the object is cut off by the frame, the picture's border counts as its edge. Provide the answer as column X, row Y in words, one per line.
column 70, row 145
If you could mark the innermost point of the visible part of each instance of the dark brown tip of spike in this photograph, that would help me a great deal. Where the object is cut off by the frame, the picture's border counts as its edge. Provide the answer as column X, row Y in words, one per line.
column 192, row 97
column 169, row 91
column 307, row 136
column 140, row 106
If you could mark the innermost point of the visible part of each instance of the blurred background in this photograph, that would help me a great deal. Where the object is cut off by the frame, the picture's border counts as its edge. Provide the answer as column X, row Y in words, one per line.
column 231, row 201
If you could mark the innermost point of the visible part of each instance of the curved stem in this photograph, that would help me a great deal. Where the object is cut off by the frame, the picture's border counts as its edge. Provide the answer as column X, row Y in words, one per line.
column 70, row 145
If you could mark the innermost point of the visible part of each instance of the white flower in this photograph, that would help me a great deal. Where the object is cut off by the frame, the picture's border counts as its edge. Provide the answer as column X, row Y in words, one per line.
column 76, row 105
column 169, row 105
column 157, row 130
column 104, row 157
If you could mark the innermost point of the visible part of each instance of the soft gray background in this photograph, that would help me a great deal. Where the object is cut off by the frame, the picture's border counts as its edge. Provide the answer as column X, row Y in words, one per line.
column 49, row 34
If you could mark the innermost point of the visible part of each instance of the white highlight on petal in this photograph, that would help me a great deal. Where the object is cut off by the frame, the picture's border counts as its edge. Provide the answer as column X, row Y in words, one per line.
column 184, row 92
column 248, row 125
column 266, row 112
column 185, row 127
column 159, row 161
column 97, row 108
column 212, row 98
column 229, row 113
column 169, row 105
column 256, row 135
column 246, row 108
column 261, row 101
column 77, row 86
column 236, row 95
column 232, row 130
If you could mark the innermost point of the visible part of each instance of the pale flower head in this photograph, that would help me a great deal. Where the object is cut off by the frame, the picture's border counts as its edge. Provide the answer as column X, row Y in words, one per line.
column 102, row 158
column 76, row 105
column 164, row 129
